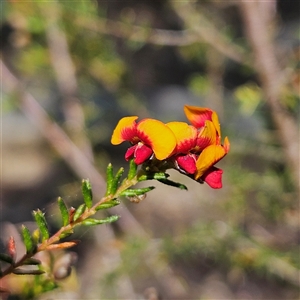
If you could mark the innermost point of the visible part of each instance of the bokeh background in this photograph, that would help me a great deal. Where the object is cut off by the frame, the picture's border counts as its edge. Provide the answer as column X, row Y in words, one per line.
column 71, row 69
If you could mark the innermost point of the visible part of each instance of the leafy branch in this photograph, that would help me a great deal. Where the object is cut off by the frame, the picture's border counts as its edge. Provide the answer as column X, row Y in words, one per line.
column 41, row 239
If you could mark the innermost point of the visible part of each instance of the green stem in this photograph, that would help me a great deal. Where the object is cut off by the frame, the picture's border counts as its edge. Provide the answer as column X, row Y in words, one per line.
column 56, row 237
column 88, row 213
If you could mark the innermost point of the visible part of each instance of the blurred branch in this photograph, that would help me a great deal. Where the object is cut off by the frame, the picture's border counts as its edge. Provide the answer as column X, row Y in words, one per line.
column 66, row 79
column 138, row 33
column 206, row 31
column 194, row 34
column 59, row 51
column 215, row 72
column 271, row 77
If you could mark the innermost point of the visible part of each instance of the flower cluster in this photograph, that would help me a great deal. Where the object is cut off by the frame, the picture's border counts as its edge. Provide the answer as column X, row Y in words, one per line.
column 193, row 149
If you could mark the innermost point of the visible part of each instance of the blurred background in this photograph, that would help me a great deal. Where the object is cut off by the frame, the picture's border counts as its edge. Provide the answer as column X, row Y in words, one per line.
column 71, row 69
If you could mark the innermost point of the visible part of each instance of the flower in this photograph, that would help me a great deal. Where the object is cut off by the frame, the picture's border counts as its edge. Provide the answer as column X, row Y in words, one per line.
column 206, row 171
column 214, row 152
column 193, row 149
column 199, row 115
column 147, row 136
column 190, row 142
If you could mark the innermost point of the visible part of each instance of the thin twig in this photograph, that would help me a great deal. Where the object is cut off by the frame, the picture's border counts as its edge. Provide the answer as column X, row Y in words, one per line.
column 193, row 34
column 271, row 77
column 205, row 31
column 65, row 74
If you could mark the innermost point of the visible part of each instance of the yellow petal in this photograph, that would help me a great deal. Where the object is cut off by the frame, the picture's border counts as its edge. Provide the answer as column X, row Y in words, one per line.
column 208, row 157
column 124, row 128
column 207, row 136
column 185, row 134
column 215, row 120
column 158, row 136
column 226, row 144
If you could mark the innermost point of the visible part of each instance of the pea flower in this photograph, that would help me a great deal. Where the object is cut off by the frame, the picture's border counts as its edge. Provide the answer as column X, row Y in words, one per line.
column 205, row 169
column 191, row 149
column 147, row 137
column 190, row 143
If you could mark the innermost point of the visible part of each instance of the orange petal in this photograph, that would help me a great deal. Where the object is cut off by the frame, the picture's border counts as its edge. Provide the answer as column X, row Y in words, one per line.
column 208, row 157
column 198, row 115
column 158, row 136
column 186, row 136
column 124, row 131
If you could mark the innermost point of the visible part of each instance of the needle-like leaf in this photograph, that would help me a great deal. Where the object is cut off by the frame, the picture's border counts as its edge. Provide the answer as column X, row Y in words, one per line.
column 87, row 193
column 79, row 211
column 92, row 222
column 27, row 238
column 137, row 192
column 109, row 179
column 41, row 223
column 63, row 211
column 108, row 204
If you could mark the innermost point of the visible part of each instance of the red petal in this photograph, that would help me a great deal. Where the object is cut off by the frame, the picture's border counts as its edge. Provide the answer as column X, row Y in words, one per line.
column 213, row 177
column 130, row 152
column 142, row 153
column 187, row 163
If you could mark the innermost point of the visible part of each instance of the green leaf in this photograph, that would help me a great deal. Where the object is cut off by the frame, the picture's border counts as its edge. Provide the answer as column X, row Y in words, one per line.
column 112, row 181
column 66, row 234
column 132, row 169
column 87, row 193
column 79, row 211
column 144, row 177
column 63, row 211
column 116, row 181
column 109, row 179
column 6, row 258
column 108, row 204
column 36, row 236
column 27, row 238
column 160, row 175
column 150, row 176
column 136, row 192
column 41, row 223
column 172, row 183
column 27, row 272
column 31, row 261
column 92, row 222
